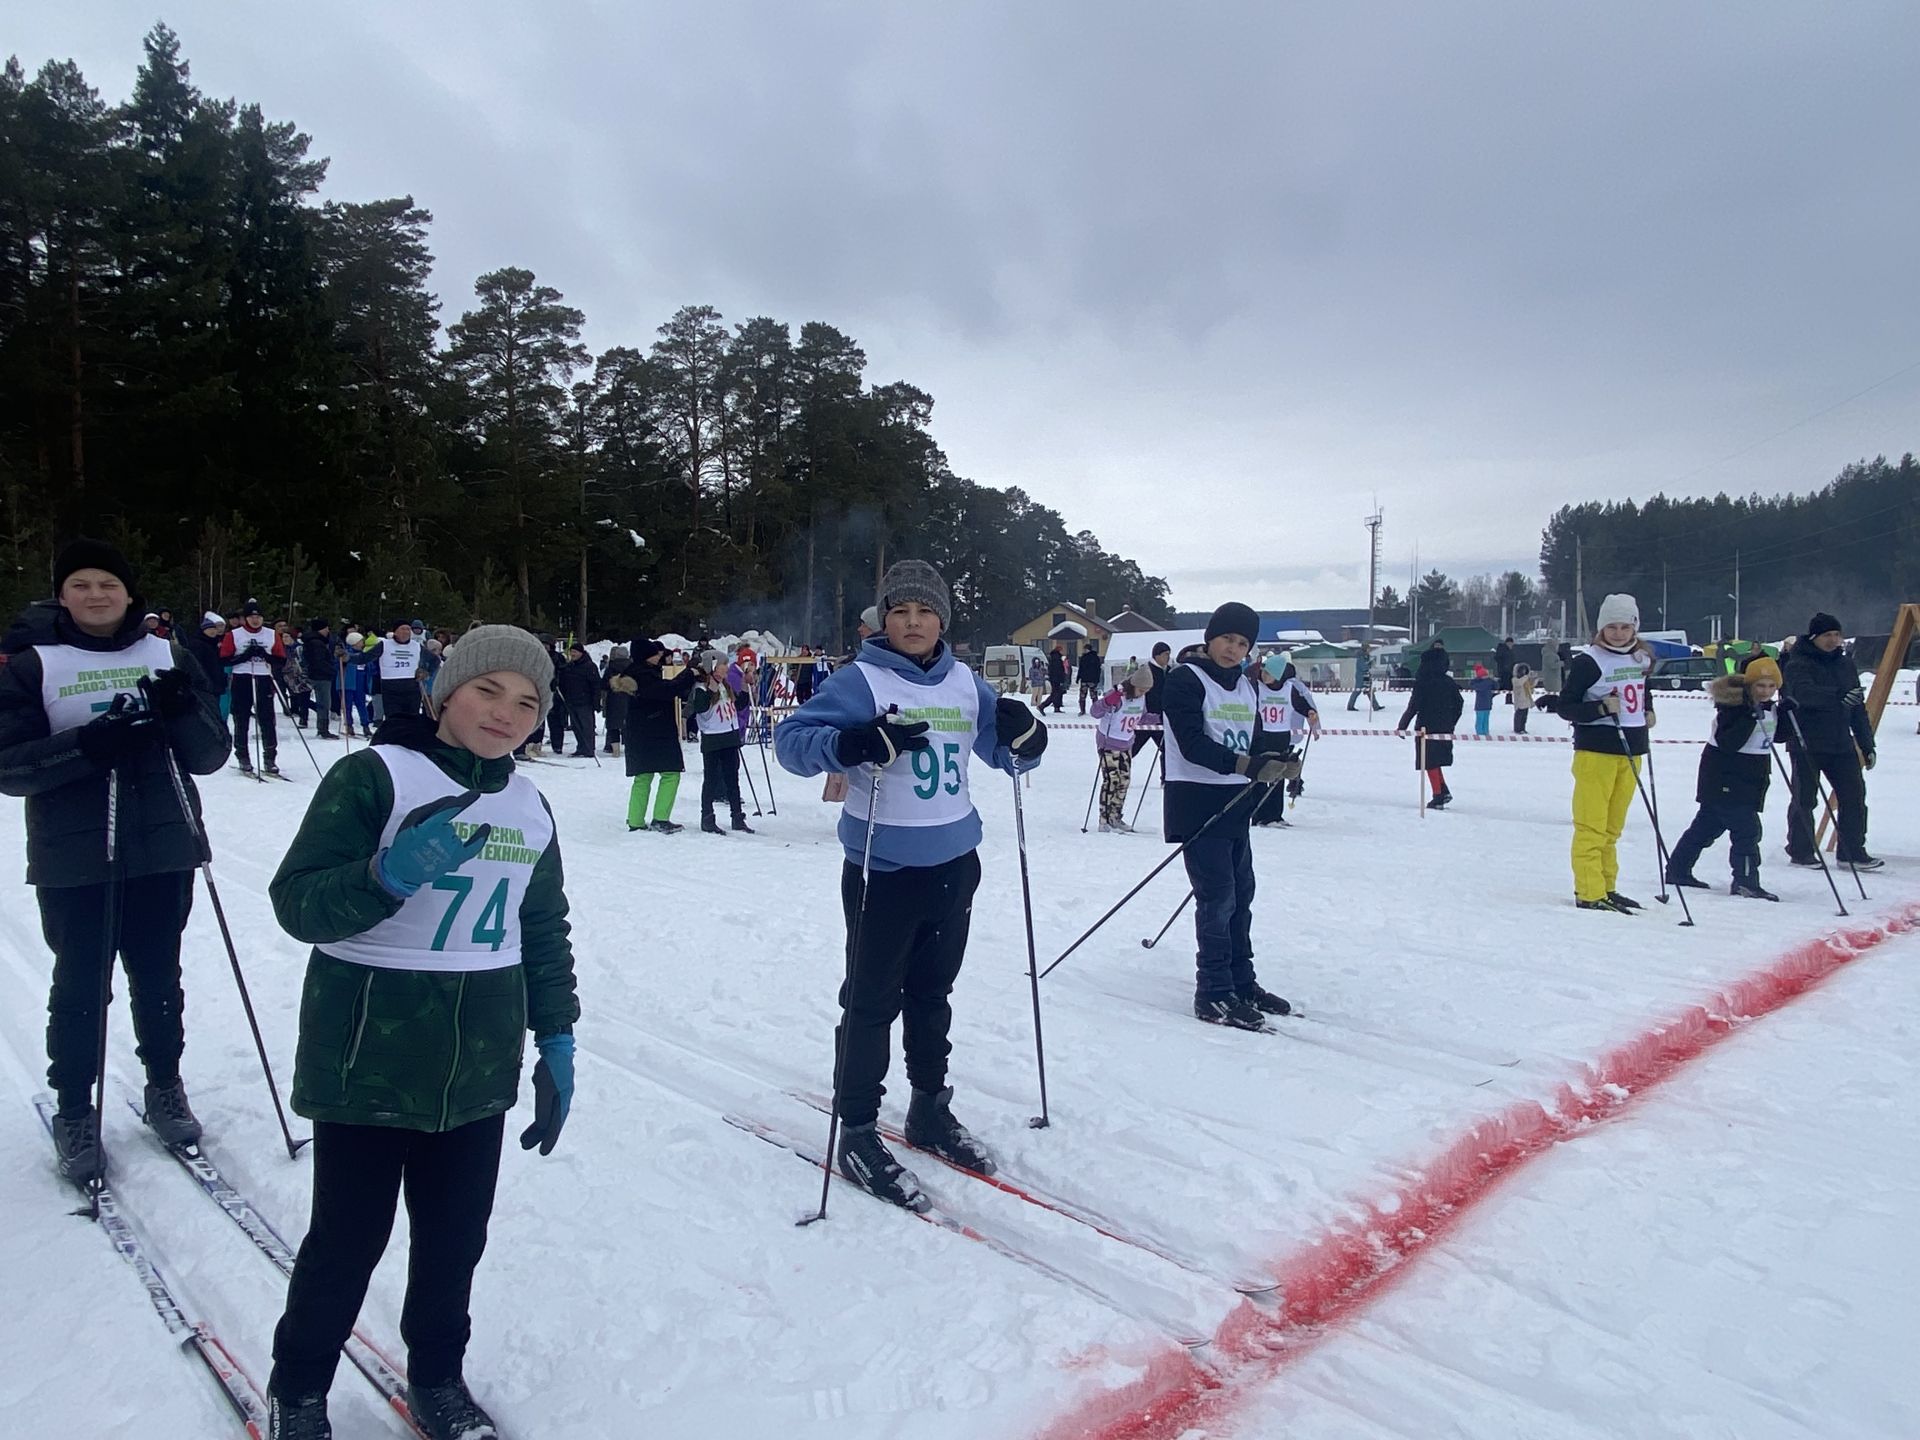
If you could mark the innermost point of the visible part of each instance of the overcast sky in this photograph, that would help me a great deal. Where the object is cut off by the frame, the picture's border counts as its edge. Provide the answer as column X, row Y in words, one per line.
column 1207, row 279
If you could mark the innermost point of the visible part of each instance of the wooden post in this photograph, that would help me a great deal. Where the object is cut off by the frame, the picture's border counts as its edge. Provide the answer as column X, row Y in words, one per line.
column 1906, row 623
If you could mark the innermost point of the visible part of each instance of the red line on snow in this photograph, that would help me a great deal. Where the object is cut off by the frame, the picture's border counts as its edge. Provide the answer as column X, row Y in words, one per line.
column 1351, row 1263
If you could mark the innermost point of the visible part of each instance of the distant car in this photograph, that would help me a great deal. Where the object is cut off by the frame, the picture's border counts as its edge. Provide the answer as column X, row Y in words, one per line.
column 1691, row 672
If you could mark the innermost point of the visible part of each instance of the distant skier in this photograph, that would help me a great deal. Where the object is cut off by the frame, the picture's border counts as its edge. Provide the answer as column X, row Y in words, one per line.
column 397, row 659
column 906, row 696
column 1117, row 716
column 1212, row 713
column 253, row 657
column 71, row 711
column 1287, row 708
column 427, row 877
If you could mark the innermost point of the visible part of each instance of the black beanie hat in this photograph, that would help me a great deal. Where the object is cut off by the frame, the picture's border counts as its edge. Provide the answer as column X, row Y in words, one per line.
column 1821, row 624
column 84, row 554
column 1233, row 618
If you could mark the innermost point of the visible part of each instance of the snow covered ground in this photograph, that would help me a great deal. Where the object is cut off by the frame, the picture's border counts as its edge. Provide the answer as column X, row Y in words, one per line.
column 648, row 1278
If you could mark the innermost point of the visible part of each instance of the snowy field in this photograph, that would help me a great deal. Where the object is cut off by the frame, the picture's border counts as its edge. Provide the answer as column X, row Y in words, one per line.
column 1730, row 1256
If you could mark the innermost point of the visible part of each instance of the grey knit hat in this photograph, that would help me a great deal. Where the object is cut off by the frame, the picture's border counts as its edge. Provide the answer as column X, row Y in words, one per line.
column 487, row 648
column 918, row 581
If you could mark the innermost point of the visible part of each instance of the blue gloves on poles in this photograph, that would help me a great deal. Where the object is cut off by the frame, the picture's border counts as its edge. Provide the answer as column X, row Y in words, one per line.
column 427, row 847
column 552, row 1092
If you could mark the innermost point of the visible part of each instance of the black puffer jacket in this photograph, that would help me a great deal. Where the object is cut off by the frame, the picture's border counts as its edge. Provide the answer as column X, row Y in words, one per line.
column 204, row 651
column 66, row 793
column 1826, row 689
column 578, row 682
column 652, row 741
column 1089, row 667
column 618, row 695
column 1434, row 705
column 1728, row 777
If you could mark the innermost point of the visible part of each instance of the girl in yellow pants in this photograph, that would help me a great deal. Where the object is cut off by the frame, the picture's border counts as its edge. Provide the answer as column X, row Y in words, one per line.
column 1603, row 788
column 1605, row 698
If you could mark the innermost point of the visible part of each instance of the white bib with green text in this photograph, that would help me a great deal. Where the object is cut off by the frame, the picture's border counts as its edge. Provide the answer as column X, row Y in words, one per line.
column 922, row 787
column 1229, row 717
column 77, row 685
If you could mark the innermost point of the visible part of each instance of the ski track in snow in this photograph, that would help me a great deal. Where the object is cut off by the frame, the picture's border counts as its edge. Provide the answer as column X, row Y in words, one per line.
column 648, row 1277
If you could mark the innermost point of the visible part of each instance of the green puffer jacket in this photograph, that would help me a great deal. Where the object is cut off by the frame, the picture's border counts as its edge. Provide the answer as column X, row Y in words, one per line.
column 410, row 1048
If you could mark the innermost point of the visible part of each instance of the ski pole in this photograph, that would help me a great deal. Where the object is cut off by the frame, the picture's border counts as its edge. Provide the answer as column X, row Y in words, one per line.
column 846, row 1000
column 297, row 730
column 1043, row 1119
column 1232, row 805
column 110, row 929
column 1088, row 818
column 1147, row 784
column 773, row 805
column 1806, row 755
column 1149, row 944
column 205, row 847
column 1792, row 801
column 752, row 789
column 1300, row 775
column 1659, row 844
column 346, row 706
column 1653, row 794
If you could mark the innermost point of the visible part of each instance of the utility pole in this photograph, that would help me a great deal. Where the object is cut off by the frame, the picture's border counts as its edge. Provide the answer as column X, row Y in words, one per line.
column 1413, row 597
column 1736, row 595
column 1663, row 594
column 1373, row 567
column 1580, row 585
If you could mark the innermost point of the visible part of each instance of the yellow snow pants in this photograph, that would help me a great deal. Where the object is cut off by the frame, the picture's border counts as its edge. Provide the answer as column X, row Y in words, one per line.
column 1603, row 787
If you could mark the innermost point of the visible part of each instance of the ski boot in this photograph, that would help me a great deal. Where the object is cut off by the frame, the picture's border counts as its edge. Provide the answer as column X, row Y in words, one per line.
column 665, row 827
column 298, row 1417
column 739, row 825
column 1862, row 861
column 1686, row 880
column 76, row 1146
column 449, row 1412
column 1441, row 801
column 931, row 1126
column 270, row 766
column 1607, row 905
column 709, row 825
column 1748, row 887
column 1265, row 1001
column 246, row 765
column 169, row 1115
column 865, row 1160
column 1232, row 1011
column 1623, row 904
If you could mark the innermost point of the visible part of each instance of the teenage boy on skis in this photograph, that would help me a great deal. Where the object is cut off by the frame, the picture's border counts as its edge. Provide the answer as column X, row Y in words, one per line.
column 252, row 656
column 1736, row 767
column 63, row 728
column 1604, row 696
column 427, row 877
column 906, row 697
column 1212, row 711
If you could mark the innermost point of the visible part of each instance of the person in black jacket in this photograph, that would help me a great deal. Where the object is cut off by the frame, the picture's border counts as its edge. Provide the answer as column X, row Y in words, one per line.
column 1088, row 673
column 1213, row 716
column 717, row 707
column 652, row 734
column 619, row 661
column 1056, row 679
column 1829, row 715
column 1736, row 767
column 578, row 685
column 1434, row 706
column 202, row 647
column 87, row 692
column 1152, row 714
column 320, row 657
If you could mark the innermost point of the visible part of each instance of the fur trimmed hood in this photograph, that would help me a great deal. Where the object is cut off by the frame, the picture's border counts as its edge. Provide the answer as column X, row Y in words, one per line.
column 1729, row 690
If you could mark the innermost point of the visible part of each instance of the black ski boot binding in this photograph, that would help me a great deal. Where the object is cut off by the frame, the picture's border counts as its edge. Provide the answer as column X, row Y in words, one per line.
column 298, row 1417
column 865, row 1160
column 449, row 1412
column 1623, row 904
column 931, row 1126
column 76, row 1147
column 1748, row 888
column 1686, row 880
column 1232, row 1011
column 1265, row 1001
column 169, row 1115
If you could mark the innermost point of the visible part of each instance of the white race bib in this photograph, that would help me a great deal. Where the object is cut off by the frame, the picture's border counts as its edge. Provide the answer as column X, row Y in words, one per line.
column 718, row 718
column 470, row 919
column 923, row 787
column 397, row 661
column 1120, row 724
column 1229, row 716
column 1622, row 675
column 77, row 685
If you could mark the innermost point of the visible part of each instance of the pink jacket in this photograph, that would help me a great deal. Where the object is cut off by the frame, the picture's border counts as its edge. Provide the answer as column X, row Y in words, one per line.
column 1104, row 706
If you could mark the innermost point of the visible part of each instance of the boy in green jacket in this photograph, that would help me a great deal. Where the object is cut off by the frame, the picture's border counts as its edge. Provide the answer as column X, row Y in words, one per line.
column 427, row 877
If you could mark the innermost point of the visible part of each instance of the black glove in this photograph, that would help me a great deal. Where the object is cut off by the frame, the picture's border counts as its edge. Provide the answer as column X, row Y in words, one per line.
column 1785, row 704
column 1019, row 729
column 170, row 693
column 1854, row 698
column 1868, row 760
column 117, row 734
column 1262, row 769
column 880, row 740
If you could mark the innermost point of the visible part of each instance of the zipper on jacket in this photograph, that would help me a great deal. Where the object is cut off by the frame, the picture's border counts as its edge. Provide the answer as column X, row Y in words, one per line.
column 453, row 1069
column 362, row 1008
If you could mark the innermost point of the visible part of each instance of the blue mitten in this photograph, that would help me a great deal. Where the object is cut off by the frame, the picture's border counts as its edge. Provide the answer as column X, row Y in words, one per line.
column 427, row 847
column 552, row 1092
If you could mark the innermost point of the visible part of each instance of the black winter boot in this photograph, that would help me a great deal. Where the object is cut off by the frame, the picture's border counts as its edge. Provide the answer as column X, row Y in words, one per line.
column 1232, row 1011
column 709, row 825
column 169, row 1115
column 740, row 823
column 298, row 1417
column 931, row 1126
column 865, row 1160
column 1686, row 880
column 1748, row 887
column 76, row 1148
column 1265, row 1001
column 449, row 1412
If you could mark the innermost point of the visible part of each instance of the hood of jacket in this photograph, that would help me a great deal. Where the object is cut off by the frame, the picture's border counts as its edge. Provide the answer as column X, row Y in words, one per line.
column 1433, row 664
column 1728, row 690
column 876, row 651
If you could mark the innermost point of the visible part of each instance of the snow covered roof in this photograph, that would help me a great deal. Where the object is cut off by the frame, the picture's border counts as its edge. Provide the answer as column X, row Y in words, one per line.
column 1067, row 628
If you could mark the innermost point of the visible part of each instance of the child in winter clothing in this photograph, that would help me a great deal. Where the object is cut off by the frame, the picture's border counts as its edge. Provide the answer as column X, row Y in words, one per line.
column 1286, row 708
column 1606, row 700
column 1485, row 687
column 92, row 706
column 354, row 684
column 427, row 877
column 1433, row 709
column 910, row 835
column 1525, row 682
column 1735, row 769
column 1116, row 715
column 619, row 661
column 716, row 715
column 1212, row 709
